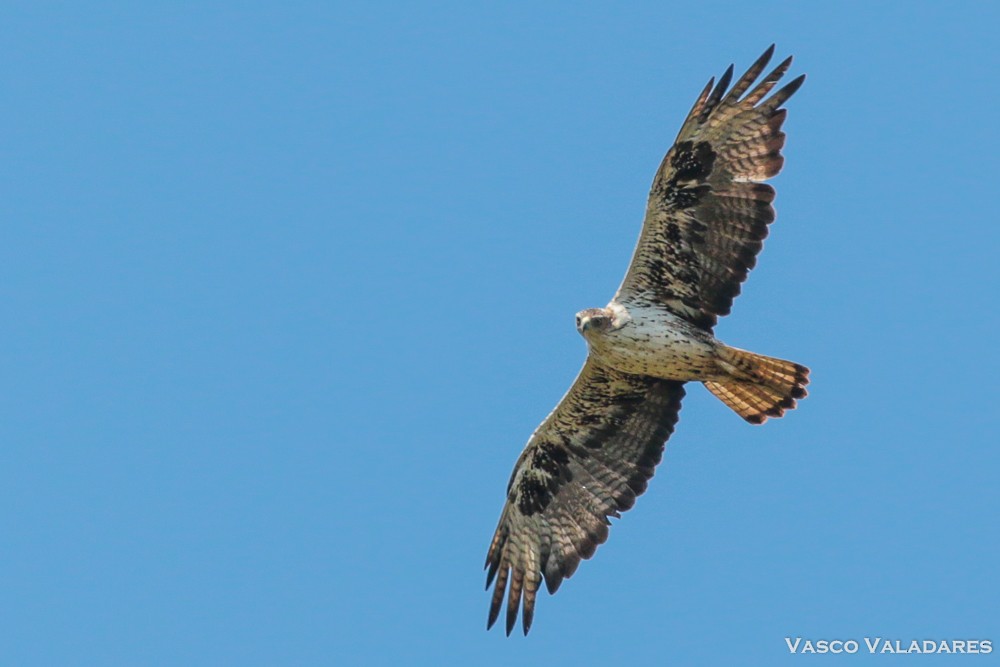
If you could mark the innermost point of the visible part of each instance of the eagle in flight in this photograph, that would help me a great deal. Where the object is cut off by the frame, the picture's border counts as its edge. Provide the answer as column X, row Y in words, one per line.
column 706, row 218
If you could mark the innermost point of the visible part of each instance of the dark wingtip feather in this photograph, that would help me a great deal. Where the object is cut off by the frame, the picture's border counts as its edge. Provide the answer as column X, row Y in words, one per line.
column 699, row 104
column 726, row 77
column 511, row 619
column 718, row 91
column 782, row 95
column 765, row 86
column 761, row 62
column 494, row 613
column 745, row 81
column 493, row 564
column 526, row 618
column 553, row 579
column 514, row 599
column 497, row 600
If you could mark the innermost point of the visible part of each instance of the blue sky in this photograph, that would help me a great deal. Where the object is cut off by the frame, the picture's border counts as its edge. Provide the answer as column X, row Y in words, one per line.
column 286, row 289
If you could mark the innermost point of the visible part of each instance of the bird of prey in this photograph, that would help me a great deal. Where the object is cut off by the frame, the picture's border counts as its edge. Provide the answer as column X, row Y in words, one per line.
column 707, row 215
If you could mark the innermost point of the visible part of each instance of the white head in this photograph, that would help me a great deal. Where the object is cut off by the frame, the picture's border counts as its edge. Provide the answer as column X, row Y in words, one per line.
column 594, row 320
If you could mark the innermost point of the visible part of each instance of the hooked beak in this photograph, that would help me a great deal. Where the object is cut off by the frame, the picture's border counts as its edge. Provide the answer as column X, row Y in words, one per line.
column 585, row 324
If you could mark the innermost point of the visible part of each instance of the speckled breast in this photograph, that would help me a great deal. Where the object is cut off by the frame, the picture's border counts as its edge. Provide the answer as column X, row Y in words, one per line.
column 658, row 343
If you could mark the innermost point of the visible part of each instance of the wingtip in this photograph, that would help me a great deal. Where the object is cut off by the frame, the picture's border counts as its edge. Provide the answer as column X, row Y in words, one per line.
column 492, row 619
column 726, row 78
column 792, row 86
column 718, row 91
column 765, row 57
column 780, row 97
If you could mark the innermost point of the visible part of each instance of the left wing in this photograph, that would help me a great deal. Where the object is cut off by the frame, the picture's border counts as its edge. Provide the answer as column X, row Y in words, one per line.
column 587, row 461
column 708, row 209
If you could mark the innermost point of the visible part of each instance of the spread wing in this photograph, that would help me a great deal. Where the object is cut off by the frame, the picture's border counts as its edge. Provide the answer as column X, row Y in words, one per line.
column 587, row 461
column 708, row 210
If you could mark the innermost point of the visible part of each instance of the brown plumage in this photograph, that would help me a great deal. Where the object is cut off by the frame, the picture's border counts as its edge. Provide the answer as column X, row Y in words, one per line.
column 707, row 215
column 706, row 218
column 766, row 386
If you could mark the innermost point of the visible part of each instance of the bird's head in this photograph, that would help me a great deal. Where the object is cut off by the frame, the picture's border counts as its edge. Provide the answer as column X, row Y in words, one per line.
column 593, row 319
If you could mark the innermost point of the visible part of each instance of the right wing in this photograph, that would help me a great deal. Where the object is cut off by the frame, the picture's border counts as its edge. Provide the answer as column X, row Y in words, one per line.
column 586, row 462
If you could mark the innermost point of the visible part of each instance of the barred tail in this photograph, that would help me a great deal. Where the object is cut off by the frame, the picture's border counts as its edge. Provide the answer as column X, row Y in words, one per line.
column 760, row 387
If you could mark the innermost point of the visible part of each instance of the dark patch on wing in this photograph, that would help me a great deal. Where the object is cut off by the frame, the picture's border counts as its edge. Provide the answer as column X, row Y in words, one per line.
column 548, row 470
column 692, row 164
column 588, row 461
column 692, row 161
column 708, row 212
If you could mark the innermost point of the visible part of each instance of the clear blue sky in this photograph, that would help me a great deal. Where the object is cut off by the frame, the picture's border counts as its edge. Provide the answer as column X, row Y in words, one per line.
column 286, row 289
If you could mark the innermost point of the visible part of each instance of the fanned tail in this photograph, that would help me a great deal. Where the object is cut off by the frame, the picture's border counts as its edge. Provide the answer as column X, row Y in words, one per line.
column 760, row 387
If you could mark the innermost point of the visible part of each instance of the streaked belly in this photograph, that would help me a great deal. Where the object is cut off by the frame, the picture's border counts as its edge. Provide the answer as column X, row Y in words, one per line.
column 659, row 349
